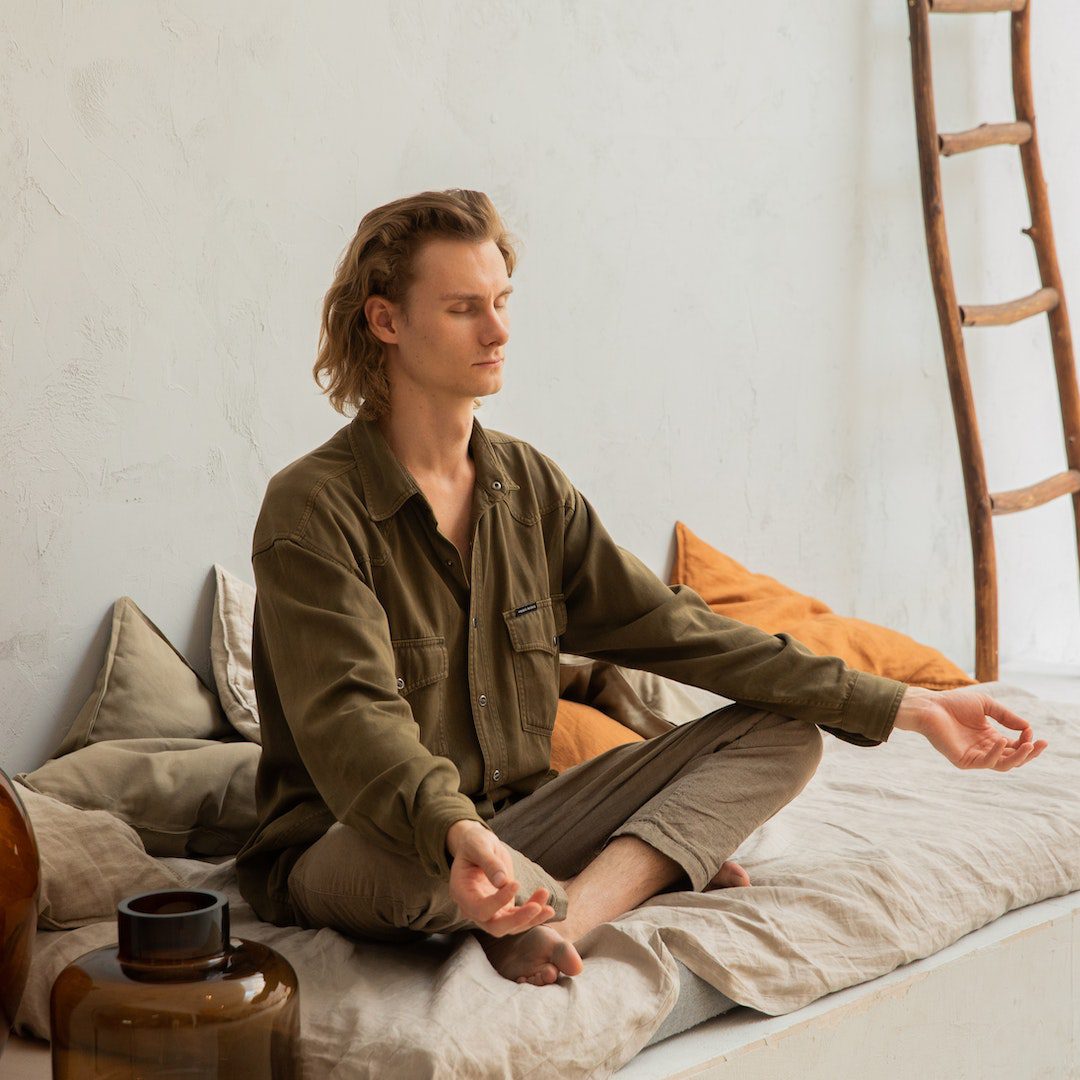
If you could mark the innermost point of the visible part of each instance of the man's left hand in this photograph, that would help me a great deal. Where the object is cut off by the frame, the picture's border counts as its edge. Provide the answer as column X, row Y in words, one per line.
column 958, row 725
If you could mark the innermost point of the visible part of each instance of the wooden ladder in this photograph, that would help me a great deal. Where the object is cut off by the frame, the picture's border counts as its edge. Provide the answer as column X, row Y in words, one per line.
column 953, row 317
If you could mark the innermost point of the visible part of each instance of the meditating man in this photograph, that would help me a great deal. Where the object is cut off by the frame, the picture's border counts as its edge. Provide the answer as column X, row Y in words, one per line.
column 417, row 576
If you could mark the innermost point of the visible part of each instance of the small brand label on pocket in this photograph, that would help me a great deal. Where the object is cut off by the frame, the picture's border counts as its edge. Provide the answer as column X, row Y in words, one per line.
column 525, row 608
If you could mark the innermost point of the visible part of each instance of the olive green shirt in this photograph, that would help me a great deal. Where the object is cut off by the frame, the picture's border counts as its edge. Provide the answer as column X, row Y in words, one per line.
column 400, row 691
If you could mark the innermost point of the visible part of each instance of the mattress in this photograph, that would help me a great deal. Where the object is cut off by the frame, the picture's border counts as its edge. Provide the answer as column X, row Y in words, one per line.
column 888, row 855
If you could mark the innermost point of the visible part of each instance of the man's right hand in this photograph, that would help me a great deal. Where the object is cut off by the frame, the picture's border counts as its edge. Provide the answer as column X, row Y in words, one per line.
column 483, row 886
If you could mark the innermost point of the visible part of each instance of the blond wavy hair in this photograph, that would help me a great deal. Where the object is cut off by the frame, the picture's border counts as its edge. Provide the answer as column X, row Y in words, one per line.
column 379, row 261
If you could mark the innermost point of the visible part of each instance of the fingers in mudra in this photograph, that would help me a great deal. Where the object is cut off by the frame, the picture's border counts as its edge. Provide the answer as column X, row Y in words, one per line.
column 485, row 907
column 517, row 920
column 1021, row 749
column 1004, row 755
column 498, row 915
column 995, row 751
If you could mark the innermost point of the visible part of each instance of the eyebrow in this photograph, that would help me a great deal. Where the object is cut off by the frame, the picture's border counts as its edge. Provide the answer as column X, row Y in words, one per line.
column 473, row 296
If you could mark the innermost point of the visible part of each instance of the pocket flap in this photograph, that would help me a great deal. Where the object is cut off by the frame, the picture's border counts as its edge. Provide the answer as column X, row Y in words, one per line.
column 537, row 625
column 419, row 661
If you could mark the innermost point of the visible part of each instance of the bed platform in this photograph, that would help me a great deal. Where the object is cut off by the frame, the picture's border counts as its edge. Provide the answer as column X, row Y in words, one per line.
column 1001, row 1001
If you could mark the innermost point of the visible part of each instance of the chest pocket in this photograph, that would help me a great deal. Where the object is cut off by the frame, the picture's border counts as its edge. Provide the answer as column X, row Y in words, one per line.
column 422, row 665
column 534, row 630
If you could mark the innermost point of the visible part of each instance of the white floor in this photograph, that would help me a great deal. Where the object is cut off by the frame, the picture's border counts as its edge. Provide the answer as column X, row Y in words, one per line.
column 705, row 1049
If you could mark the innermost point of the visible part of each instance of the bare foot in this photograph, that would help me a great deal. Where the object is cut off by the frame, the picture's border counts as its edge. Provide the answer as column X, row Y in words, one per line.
column 731, row 873
column 537, row 956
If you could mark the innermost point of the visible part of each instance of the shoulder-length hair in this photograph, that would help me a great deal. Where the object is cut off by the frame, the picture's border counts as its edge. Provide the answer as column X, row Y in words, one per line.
column 379, row 261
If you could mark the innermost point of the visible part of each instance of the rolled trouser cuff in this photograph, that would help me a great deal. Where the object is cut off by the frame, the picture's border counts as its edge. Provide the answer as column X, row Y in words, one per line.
column 654, row 834
column 531, row 876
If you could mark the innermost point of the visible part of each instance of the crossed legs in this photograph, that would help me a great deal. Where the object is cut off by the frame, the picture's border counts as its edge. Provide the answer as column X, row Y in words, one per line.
column 725, row 789
column 602, row 837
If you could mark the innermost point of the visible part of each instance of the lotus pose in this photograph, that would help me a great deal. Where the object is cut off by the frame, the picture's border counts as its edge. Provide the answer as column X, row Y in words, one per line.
column 417, row 577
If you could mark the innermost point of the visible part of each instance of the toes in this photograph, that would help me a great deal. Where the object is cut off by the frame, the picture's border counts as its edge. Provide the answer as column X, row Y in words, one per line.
column 566, row 959
column 730, row 874
column 544, row 975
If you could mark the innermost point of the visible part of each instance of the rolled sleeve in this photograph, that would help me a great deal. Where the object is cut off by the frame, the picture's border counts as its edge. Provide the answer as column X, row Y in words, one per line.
column 869, row 714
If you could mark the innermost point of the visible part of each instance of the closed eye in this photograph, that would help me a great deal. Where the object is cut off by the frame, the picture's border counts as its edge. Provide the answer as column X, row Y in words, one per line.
column 468, row 311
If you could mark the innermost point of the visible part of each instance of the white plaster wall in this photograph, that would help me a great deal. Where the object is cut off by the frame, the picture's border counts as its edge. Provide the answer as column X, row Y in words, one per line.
column 723, row 310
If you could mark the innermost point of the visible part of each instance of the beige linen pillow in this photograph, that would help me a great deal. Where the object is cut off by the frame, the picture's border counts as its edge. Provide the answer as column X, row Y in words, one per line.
column 183, row 797
column 676, row 702
column 144, row 688
column 90, row 861
column 230, row 651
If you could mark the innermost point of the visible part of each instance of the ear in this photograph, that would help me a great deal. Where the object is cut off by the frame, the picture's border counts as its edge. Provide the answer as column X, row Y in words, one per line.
column 382, row 318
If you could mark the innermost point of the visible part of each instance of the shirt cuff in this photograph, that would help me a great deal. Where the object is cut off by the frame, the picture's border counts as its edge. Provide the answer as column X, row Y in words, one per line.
column 432, row 826
column 872, row 706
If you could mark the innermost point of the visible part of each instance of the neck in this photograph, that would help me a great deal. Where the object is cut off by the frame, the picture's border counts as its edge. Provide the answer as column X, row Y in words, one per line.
column 430, row 442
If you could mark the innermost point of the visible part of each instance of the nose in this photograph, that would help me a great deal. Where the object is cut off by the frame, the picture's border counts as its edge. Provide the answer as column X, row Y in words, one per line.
column 496, row 327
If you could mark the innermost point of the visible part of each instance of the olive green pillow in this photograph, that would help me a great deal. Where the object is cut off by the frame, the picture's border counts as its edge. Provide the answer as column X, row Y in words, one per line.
column 185, row 798
column 145, row 688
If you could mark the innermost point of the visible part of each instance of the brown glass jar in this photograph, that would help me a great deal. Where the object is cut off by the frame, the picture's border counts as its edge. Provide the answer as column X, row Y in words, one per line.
column 176, row 998
column 20, row 884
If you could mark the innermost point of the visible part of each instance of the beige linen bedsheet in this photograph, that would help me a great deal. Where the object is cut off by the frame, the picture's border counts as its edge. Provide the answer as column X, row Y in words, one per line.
column 889, row 854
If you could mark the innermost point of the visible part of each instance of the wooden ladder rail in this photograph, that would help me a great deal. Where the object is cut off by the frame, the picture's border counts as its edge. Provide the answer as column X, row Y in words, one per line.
column 953, row 317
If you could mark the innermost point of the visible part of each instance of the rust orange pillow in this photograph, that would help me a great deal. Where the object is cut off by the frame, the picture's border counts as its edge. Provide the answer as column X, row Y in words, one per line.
column 729, row 588
column 582, row 732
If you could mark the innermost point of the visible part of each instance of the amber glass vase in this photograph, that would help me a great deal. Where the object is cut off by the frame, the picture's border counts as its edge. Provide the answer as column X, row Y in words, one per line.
column 20, row 882
column 177, row 998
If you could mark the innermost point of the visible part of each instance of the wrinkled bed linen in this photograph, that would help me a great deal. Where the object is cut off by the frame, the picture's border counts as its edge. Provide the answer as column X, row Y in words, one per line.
column 888, row 855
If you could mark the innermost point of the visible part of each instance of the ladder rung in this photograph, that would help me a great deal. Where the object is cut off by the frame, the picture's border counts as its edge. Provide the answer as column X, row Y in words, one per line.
column 1012, row 134
column 970, row 7
column 1012, row 311
column 1007, row 502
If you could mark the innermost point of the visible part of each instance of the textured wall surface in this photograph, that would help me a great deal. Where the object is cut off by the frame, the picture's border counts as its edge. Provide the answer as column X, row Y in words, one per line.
column 722, row 313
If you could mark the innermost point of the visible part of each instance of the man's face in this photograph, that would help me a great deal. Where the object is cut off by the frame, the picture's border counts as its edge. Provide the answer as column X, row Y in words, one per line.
column 455, row 321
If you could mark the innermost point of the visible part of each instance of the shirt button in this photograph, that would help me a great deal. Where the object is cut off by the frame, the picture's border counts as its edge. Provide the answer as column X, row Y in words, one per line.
column 476, row 621
column 496, row 776
column 449, row 562
column 555, row 639
column 497, row 485
column 483, row 699
column 401, row 684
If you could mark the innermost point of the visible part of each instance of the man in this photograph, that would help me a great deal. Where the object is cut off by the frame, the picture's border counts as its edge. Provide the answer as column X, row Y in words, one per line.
column 416, row 576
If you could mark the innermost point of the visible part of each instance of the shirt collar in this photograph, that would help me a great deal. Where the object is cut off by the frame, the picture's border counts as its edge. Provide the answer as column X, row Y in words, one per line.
column 388, row 484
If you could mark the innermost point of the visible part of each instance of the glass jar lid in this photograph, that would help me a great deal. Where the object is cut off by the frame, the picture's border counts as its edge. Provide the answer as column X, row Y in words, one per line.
column 170, row 925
